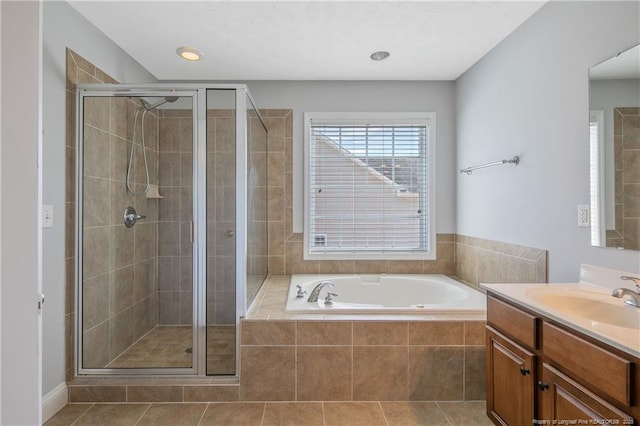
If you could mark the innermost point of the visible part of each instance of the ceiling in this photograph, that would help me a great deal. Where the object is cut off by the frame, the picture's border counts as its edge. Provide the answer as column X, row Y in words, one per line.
column 308, row 40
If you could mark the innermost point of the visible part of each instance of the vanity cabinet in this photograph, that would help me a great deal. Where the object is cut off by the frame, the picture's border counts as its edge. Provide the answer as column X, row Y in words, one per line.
column 564, row 398
column 510, row 380
column 539, row 372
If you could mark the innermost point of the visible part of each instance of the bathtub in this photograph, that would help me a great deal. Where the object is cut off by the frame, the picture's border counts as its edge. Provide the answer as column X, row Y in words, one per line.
column 420, row 294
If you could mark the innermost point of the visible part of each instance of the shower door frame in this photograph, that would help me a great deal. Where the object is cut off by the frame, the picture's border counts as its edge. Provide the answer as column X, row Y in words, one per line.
column 198, row 92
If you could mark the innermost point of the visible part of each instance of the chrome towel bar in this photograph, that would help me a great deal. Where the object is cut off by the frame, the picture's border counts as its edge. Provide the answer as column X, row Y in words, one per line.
column 515, row 161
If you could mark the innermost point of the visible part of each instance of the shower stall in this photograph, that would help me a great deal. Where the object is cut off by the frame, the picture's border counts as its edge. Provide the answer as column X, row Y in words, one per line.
column 171, row 226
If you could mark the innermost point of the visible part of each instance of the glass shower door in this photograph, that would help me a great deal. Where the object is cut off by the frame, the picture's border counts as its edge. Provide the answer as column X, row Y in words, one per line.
column 221, row 232
column 135, row 172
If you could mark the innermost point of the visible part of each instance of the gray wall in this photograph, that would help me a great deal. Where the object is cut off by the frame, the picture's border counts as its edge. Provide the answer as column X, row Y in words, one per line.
column 369, row 96
column 64, row 27
column 20, row 385
column 529, row 97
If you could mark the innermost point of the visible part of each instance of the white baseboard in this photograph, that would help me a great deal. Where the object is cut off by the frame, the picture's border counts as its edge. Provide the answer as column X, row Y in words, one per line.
column 53, row 401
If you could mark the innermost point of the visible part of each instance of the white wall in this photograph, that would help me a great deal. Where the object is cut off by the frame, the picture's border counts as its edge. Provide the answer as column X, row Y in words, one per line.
column 529, row 97
column 605, row 95
column 369, row 96
column 21, row 96
column 64, row 27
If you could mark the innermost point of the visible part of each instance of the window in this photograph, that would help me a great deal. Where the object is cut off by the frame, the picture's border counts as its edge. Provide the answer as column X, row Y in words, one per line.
column 369, row 188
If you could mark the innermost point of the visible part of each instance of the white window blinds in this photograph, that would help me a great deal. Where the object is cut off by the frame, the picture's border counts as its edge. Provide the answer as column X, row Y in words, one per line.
column 368, row 187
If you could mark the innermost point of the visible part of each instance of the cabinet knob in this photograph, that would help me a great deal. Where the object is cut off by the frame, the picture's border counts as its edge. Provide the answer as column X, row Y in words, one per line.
column 542, row 386
column 524, row 371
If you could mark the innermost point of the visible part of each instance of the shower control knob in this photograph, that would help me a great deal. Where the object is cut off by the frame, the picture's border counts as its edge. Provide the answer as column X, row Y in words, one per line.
column 131, row 217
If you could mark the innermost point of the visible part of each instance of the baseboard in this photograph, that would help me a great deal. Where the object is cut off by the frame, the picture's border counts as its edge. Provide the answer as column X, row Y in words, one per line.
column 53, row 401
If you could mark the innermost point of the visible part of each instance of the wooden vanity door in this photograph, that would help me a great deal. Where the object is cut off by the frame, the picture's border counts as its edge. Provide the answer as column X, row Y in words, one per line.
column 562, row 399
column 510, row 381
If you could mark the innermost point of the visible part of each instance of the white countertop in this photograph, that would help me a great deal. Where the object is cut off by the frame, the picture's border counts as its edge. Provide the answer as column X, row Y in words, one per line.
column 623, row 338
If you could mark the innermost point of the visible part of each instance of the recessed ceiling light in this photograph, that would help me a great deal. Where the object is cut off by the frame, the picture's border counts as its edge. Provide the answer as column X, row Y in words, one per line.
column 380, row 55
column 189, row 53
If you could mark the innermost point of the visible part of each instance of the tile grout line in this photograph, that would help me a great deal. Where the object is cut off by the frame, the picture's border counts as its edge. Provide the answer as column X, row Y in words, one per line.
column 85, row 412
column 353, row 354
column 408, row 371
column 264, row 411
column 443, row 413
column 384, row 416
column 142, row 415
column 203, row 413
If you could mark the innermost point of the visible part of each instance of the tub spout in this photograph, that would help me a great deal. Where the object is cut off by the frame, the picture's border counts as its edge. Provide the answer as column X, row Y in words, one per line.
column 313, row 297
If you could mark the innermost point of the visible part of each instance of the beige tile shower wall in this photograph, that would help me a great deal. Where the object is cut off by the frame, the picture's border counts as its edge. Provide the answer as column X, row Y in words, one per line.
column 119, row 270
column 257, row 186
column 485, row 261
column 175, row 212
column 626, row 131
column 285, row 246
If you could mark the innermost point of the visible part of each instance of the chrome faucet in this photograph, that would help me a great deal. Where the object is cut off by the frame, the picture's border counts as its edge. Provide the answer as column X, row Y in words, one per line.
column 313, row 297
column 633, row 296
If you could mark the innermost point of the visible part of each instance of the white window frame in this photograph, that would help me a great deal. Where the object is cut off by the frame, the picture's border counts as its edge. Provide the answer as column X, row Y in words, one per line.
column 597, row 178
column 372, row 118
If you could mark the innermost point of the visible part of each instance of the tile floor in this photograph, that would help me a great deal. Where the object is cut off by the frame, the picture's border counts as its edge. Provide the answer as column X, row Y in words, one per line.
column 170, row 346
column 276, row 414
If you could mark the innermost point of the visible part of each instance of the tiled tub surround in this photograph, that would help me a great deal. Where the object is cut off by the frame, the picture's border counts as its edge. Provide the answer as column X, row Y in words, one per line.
column 473, row 260
column 485, row 261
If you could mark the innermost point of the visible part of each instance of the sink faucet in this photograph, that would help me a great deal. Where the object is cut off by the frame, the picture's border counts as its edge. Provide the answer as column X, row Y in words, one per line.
column 633, row 296
column 313, row 297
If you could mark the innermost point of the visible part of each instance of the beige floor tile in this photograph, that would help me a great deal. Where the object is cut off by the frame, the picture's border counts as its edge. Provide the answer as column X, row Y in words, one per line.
column 465, row 413
column 68, row 414
column 413, row 414
column 233, row 413
column 112, row 415
column 293, row 414
column 173, row 415
column 277, row 414
column 353, row 414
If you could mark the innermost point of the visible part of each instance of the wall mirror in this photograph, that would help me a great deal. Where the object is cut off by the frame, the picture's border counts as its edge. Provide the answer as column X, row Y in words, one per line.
column 614, row 133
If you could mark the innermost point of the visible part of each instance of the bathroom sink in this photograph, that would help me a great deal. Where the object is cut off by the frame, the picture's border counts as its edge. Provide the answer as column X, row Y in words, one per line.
column 597, row 307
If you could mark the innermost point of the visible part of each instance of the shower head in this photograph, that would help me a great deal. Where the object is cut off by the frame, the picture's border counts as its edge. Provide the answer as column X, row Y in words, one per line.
column 166, row 99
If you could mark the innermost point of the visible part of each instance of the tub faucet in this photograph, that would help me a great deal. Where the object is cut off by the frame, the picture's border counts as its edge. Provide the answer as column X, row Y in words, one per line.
column 313, row 297
column 634, row 296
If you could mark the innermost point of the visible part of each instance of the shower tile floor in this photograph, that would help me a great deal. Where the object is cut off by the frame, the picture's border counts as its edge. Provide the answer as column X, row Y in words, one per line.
column 171, row 346
column 276, row 414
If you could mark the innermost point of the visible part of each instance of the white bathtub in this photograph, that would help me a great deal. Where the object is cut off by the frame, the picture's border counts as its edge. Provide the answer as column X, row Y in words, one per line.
column 384, row 293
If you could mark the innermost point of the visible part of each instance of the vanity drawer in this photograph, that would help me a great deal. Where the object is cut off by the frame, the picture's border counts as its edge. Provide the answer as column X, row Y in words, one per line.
column 588, row 363
column 512, row 321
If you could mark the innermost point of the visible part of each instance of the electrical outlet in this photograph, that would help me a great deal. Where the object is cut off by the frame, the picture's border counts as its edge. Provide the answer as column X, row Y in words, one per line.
column 47, row 216
column 584, row 216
